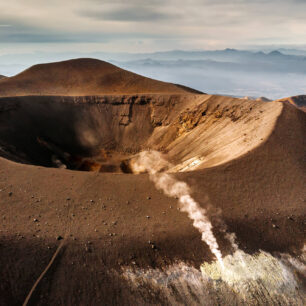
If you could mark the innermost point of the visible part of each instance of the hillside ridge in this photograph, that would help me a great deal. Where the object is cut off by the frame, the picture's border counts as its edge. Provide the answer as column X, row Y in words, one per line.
column 83, row 76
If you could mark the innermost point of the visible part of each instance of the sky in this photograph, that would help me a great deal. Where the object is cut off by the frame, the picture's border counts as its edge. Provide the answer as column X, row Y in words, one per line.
column 149, row 26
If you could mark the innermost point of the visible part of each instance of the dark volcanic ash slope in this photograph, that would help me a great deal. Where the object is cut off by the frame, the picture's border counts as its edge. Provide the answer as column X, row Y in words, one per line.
column 243, row 158
column 103, row 217
column 82, row 77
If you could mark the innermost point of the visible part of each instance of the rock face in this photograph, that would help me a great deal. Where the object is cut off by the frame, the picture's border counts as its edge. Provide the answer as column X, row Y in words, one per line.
column 83, row 77
column 99, row 132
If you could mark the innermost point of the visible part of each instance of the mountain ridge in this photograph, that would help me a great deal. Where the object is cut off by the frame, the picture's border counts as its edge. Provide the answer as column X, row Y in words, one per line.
column 83, row 76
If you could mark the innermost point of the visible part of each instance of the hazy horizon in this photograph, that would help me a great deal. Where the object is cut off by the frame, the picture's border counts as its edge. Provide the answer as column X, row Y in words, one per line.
column 123, row 32
column 272, row 74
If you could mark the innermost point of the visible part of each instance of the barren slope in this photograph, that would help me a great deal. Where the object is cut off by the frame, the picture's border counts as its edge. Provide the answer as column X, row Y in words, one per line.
column 82, row 77
column 298, row 101
column 196, row 131
column 103, row 220
column 243, row 160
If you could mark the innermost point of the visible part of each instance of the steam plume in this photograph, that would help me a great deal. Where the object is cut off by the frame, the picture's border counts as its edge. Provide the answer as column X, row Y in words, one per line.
column 153, row 163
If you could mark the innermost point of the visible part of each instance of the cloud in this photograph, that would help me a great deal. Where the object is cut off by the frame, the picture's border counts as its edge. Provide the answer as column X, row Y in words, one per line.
column 168, row 24
column 128, row 13
column 23, row 34
column 49, row 38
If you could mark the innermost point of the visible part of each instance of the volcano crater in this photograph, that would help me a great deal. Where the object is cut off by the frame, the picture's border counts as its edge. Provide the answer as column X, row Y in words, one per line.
column 101, row 133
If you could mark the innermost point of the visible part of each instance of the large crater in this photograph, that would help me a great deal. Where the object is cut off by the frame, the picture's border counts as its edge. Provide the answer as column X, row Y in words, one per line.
column 102, row 133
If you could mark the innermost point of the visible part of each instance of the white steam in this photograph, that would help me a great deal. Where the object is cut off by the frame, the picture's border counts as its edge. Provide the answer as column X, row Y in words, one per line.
column 153, row 163
column 258, row 279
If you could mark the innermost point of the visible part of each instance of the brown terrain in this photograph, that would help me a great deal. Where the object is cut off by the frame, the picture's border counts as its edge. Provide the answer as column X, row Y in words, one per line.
column 67, row 134
column 298, row 101
column 82, row 77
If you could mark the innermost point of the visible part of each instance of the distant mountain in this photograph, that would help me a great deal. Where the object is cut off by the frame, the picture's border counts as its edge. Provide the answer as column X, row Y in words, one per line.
column 275, row 53
column 229, row 55
column 298, row 52
column 272, row 63
column 259, row 99
column 274, row 74
column 2, row 77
